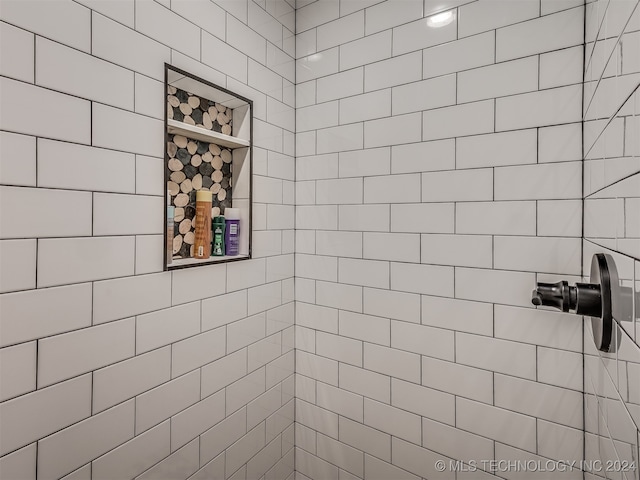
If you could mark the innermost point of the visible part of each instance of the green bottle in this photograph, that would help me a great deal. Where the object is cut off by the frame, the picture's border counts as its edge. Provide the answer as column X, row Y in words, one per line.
column 218, row 236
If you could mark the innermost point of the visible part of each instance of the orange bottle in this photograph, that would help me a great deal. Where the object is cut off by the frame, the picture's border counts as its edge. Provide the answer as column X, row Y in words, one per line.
column 202, row 243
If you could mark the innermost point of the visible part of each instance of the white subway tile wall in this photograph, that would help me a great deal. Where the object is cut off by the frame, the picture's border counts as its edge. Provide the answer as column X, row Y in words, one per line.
column 611, row 186
column 415, row 333
column 109, row 367
column 411, row 184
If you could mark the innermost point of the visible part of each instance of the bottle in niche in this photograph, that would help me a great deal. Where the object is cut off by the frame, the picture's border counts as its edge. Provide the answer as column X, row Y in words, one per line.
column 202, row 242
column 232, row 233
column 170, row 223
column 218, row 248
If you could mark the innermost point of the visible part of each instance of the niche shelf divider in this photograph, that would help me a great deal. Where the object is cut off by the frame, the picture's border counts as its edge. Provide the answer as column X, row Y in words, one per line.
column 197, row 133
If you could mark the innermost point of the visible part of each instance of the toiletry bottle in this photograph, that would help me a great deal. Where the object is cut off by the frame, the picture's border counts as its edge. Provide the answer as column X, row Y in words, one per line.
column 218, row 248
column 232, row 233
column 202, row 242
column 170, row 216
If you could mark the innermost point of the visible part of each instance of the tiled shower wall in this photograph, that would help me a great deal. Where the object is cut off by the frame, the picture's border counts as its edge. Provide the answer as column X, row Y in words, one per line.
column 612, row 225
column 438, row 177
column 111, row 368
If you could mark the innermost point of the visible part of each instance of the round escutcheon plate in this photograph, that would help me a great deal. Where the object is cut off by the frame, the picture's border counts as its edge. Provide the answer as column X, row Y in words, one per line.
column 602, row 327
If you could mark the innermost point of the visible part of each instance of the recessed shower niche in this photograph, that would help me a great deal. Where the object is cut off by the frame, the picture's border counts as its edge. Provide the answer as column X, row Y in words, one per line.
column 208, row 136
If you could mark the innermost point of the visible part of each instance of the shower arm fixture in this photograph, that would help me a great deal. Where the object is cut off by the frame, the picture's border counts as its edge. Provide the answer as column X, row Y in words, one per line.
column 591, row 299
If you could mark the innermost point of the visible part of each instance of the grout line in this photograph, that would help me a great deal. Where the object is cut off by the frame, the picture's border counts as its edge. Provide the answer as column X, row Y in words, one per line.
column 584, row 40
column 601, row 77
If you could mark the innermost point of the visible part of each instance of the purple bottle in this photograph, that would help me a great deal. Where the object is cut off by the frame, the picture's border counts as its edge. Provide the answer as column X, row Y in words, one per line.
column 232, row 231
